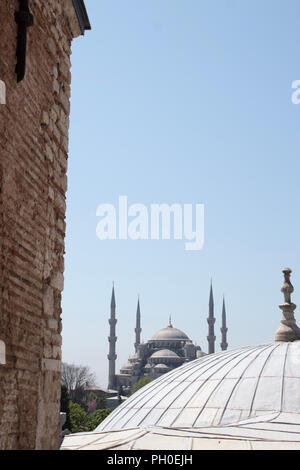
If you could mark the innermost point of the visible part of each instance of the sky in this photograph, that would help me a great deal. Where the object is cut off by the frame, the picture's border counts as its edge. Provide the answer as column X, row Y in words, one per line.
column 187, row 103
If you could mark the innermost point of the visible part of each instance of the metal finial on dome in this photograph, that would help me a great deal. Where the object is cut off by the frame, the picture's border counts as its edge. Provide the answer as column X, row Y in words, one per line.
column 287, row 288
column 288, row 330
column 170, row 322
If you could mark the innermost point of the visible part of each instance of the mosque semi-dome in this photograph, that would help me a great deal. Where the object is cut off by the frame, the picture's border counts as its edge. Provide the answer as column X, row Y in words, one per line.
column 164, row 353
column 127, row 366
column 161, row 366
column 247, row 398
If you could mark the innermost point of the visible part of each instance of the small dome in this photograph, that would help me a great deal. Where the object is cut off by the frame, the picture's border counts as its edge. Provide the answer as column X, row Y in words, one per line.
column 135, row 356
column 161, row 366
column 169, row 334
column 127, row 366
column 133, row 360
column 164, row 353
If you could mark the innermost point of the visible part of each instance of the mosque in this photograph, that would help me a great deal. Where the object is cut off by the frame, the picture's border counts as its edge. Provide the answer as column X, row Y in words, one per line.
column 168, row 349
column 241, row 399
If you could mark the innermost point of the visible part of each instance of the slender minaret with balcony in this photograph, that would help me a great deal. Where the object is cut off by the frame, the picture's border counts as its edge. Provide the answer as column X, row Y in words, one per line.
column 211, row 322
column 138, row 328
column 112, row 339
column 224, row 329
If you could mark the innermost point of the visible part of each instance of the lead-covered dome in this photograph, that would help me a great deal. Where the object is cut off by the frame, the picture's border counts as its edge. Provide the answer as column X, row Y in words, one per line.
column 217, row 390
column 164, row 353
column 161, row 366
column 248, row 398
column 169, row 334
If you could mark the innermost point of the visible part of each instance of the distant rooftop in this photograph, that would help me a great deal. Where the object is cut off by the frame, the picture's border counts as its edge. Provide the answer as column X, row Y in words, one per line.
column 95, row 388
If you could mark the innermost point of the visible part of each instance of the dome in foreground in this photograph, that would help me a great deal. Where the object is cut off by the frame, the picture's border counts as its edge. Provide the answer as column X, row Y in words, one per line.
column 239, row 400
column 217, row 390
column 248, row 398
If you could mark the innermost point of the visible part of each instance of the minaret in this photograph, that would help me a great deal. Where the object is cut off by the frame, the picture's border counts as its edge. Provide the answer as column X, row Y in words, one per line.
column 138, row 328
column 112, row 343
column 224, row 329
column 211, row 321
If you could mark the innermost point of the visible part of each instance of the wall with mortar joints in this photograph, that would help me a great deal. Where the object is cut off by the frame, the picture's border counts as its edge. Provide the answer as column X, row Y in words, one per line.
column 33, row 163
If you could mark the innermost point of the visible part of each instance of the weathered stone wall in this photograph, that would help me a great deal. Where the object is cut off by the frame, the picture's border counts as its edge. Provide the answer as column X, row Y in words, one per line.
column 33, row 182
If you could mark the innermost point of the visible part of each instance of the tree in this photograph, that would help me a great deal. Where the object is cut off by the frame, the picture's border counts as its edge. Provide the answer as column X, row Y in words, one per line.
column 95, row 418
column 75, row 379
column 92, row 406
column 81, row 421
column 92, row 400
column 141, row 383
column 64, row 406
column 78, row 418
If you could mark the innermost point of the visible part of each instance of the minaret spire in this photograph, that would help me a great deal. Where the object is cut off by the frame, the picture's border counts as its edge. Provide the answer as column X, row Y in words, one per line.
column 211, row 322
column 224, row 329
column 138, row 328
column 113, row 300
column 112, row 339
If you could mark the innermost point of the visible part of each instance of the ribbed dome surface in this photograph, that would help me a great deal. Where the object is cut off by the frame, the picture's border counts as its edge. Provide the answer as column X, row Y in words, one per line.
column 217, row 389
column 169, row 334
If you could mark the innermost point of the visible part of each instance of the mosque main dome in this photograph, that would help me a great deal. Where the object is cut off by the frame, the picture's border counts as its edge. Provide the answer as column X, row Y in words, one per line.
column 169, row 334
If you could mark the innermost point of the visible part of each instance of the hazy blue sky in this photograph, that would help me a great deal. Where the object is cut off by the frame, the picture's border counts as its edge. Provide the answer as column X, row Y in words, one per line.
column 183, row 102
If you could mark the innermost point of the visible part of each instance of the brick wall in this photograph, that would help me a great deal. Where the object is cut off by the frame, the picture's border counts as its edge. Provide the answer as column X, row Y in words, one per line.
column 33, row 182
